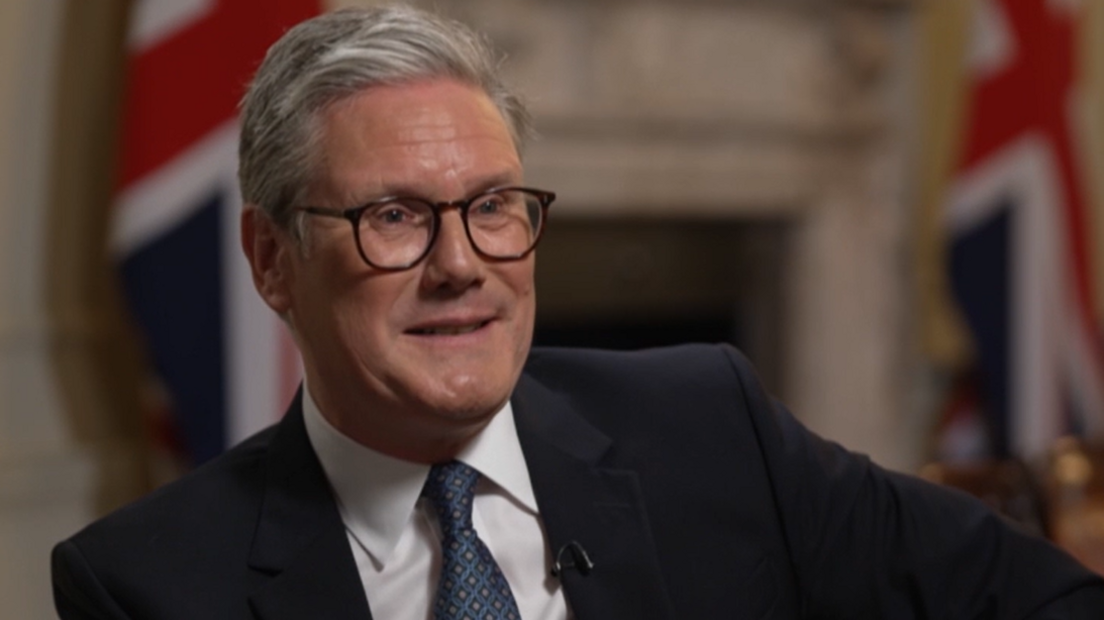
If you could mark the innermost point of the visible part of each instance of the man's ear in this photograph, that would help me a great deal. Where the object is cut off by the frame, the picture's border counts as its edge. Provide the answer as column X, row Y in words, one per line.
column 269, row 252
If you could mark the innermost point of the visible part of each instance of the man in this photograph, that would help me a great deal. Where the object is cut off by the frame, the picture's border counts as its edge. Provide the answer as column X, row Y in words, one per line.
column 422, row 473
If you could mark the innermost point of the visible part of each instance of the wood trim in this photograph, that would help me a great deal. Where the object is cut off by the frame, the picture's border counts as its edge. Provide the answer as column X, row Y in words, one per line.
column 95, row 353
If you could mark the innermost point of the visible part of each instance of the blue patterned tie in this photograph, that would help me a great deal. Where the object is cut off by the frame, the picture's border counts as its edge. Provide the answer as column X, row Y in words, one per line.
column 472, row 586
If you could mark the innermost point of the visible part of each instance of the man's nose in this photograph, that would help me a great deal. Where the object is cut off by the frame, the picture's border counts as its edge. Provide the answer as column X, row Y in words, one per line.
column 452, row 262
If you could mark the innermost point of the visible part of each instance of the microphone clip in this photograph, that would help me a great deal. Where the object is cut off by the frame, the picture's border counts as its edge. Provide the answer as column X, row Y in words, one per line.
column 578, row 560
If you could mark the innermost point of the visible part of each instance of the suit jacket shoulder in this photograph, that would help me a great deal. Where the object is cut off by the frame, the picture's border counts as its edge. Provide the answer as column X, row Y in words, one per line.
column 253, row 534
column 123, row 561
column 739, row 495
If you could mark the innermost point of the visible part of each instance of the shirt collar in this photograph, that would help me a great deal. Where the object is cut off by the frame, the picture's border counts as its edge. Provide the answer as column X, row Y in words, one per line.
column 377, row 494
column 496, row 454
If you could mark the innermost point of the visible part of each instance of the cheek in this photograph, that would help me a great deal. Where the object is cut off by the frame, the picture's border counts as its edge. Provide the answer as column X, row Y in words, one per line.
column 525, row 288
column 519, row 276
column 366, row 310
column 328, row 302
column 520, row 281
column 358, row 314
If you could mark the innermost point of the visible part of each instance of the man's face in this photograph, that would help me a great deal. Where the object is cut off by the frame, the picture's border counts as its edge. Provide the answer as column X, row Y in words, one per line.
column 414, row 362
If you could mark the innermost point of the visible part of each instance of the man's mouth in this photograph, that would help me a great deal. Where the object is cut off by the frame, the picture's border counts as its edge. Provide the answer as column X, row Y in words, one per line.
column 448, row 330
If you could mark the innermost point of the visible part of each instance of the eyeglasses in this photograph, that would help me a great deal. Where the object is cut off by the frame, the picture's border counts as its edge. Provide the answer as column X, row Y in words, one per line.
column 397, row 232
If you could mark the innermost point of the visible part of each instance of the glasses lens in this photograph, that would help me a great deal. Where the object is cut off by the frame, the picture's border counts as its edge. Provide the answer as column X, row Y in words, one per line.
column 395, row 234
column 505, row 224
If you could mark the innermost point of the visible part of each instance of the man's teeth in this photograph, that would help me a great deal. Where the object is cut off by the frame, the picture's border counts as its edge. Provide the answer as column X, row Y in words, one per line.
column 450, row 331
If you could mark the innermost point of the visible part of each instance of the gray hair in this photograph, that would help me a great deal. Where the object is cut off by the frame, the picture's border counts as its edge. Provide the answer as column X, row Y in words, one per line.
column 336, row 55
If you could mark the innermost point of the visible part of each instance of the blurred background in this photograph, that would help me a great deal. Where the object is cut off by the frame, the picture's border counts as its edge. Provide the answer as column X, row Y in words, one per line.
column 892, row 206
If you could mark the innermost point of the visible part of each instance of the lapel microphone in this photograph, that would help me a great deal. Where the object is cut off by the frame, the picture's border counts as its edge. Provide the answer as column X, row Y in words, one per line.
column 578, row 560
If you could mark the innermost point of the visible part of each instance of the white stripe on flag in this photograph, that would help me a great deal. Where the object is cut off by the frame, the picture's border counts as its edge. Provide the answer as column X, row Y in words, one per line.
column 155, row 20
column 978, row 193
column 1040, row 292
column 992, row 44
column 169, row 195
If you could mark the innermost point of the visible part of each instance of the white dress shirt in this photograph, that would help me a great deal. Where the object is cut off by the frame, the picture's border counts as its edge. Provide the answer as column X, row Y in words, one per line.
column 394, row 533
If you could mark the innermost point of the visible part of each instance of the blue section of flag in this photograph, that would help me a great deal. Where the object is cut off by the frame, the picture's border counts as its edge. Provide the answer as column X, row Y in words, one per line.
column 174, row 286
column 980, row 279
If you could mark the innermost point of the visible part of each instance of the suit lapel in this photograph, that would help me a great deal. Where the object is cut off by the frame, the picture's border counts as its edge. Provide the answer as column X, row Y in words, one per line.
column 300, row 553
column 599, row 507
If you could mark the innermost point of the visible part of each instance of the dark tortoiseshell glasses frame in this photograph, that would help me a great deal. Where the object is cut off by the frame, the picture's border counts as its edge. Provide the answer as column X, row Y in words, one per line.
column 538, row 211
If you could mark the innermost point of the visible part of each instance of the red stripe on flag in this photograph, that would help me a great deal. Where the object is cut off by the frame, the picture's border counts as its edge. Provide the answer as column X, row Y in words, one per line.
column 1033, row 94
column 185, row 86
column 997, row 112
column 1028, row 93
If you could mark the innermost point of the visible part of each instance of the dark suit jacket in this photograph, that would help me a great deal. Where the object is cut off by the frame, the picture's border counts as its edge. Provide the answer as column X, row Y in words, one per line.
column 695, row 495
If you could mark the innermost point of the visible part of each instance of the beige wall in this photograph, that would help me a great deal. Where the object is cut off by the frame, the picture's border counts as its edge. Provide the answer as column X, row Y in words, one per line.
column 44, row 483
column 67, row 436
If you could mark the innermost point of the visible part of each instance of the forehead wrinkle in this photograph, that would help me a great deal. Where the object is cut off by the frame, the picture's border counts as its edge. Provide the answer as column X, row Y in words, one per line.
column 430, row 128
column 450, row 160
column 445, row 159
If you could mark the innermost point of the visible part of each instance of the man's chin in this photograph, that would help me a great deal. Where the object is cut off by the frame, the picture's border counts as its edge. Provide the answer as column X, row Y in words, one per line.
column 464, row 410
column 458, row 384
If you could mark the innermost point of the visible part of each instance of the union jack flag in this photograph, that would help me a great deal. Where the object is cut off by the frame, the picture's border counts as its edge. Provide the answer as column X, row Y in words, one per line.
column 226, row 363
column 1017, row 217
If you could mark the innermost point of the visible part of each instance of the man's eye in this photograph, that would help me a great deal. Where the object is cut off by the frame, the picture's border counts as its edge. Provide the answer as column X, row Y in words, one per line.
column 394, row 216
column 489, row 205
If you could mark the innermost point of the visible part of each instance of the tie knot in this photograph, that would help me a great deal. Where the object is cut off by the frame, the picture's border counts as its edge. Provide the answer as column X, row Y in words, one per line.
column 451, row 487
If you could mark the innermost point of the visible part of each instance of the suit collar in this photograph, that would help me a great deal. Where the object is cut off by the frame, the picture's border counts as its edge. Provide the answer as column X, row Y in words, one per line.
column 583, row 498
column 300, row 551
